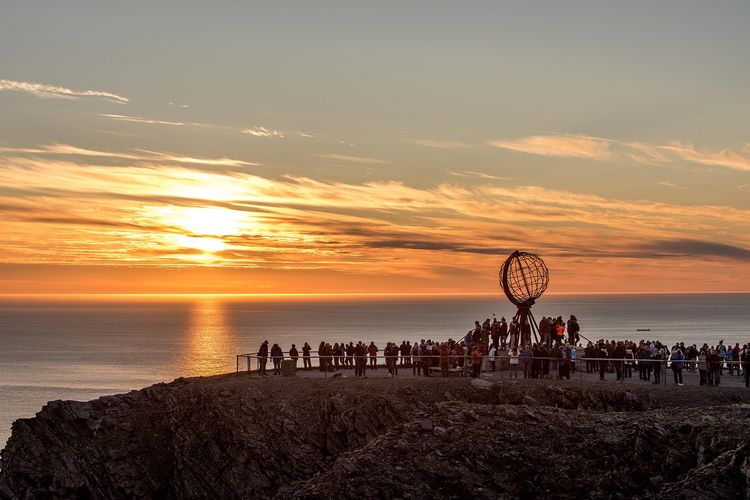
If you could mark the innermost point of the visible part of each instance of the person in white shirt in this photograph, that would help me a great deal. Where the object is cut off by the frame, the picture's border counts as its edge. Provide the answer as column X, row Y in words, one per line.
column 513, row 355
column 491, row 356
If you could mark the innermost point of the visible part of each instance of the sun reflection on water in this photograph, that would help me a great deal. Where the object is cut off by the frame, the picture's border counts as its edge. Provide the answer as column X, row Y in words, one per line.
column 209, row 343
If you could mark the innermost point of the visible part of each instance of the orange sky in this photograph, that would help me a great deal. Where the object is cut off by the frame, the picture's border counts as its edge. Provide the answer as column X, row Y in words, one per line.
column 377, row 149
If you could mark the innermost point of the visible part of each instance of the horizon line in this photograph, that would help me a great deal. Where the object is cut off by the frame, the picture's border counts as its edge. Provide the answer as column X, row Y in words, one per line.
column 360, row 294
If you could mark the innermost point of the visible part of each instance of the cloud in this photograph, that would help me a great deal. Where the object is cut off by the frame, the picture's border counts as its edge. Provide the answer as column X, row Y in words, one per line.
column 143, row 155
column 142, row 212
column 138, row 119
column 183, row 106
column 699, row 248
column 351, row 159
column 56, row 92
column 440, row 144
column 724, row 158
column 471, row 173
column 434, row 245
column 263, row 132
column 744, row 187
column 575, row 146
column 672, row 185
column 602, row 149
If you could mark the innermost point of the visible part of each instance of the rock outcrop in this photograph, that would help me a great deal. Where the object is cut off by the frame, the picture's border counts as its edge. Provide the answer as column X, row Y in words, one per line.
column 234, row 437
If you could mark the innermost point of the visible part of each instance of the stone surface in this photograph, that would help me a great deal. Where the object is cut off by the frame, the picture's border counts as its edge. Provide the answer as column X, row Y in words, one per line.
column 346, row 438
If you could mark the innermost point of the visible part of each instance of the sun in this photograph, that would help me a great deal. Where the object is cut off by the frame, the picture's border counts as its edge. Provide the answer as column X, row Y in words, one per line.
column 204, row 221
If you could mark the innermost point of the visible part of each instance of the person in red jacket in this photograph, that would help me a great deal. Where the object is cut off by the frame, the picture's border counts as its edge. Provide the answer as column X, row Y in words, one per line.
column 476, row 362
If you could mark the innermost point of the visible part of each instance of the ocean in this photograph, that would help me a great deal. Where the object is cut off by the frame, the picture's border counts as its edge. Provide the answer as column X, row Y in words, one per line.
column 83, row 347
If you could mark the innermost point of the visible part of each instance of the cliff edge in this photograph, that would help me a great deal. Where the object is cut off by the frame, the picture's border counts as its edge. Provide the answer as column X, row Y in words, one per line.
column 235, row 437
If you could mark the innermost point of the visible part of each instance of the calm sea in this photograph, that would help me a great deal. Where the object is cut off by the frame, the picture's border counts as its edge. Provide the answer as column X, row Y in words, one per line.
column 83, row 348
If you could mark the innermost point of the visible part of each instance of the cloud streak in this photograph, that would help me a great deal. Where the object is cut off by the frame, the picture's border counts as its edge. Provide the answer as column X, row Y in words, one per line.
column 141, row 155
column 352, row 159
column 602, row 149
column 149, row 121
column 572, row 146
column 46, row 91
column 263, row 132
column 479, row 175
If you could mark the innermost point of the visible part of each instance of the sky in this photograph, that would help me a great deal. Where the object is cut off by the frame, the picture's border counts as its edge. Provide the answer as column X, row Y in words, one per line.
column 373, row 147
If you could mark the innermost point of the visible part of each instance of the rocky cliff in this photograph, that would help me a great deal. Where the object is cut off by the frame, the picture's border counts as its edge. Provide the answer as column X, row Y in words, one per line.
column 234, row 437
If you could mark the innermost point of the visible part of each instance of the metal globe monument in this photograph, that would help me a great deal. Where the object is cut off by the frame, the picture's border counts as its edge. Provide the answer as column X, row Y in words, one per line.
column 524, row 278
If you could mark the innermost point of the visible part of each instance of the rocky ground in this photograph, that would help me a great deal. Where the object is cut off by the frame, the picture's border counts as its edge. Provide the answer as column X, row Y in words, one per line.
column 235, row 437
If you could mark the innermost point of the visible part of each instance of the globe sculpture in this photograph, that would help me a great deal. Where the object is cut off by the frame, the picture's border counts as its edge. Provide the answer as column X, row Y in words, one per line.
column 524, row 278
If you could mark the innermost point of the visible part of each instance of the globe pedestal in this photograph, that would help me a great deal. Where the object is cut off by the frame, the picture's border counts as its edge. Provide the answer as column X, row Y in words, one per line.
column 526, row 326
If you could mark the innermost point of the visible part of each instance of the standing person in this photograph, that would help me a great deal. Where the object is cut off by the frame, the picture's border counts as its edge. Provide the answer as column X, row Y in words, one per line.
column 322, row 357
column 514, row 356
column 503, row 333
column 657, row 361
column 736, row 357
column 444, row 360
column 495, row 332
column 630, row 361
column 527, row 359
column 677, row 363
column 263, row 358
column 491, row 356
column 564, row 368
column 372, row 350
column 714, row 367
column 360, row 355
column 554, row 363
column 476, row 362
column 294, row 355
column 416, row 362
column 276, row 356
column 702, row 367
column 336, row 353
column 349, row 351
column 619, row 355
column 405, row 351
column 573, row 354
column 573, row 329
column 644, row 365
column 745, row 359
column 306, row 364
column 513, row 334
column 602, row 355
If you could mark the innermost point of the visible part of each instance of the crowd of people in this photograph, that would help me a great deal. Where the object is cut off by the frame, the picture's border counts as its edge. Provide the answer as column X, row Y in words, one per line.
column 496, row 344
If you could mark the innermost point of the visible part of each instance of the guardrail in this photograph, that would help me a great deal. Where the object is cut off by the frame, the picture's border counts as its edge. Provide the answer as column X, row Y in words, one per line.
column 549, row 366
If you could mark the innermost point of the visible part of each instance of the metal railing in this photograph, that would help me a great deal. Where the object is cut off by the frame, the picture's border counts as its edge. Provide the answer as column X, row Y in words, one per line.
column 548, row 366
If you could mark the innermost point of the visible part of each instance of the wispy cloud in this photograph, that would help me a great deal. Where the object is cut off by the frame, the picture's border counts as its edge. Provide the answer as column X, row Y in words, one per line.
column 141, row 155
column 46, row 91
column 441, row 144
column 351, row 159
column 575, row 146
column 140, row 119
column 744, row 187
column 183, row 106
column 472, row 173
column 267, row 132
column 263, row 132
column 672, row 185
column 603, row 149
